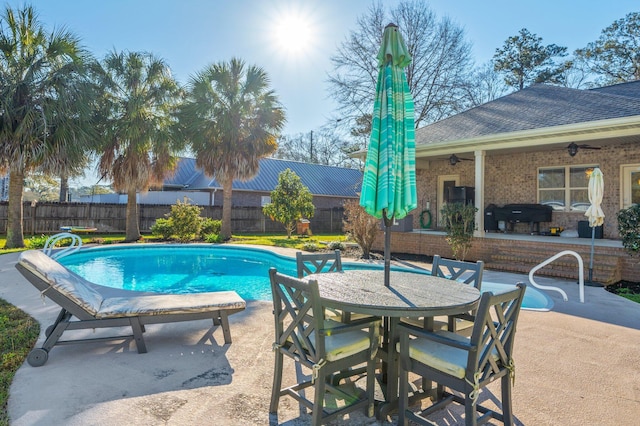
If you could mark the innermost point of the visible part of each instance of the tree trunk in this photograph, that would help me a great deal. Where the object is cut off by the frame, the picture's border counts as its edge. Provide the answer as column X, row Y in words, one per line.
column 15, row 235
column 133, row 229
column 227, row 186
column 64, row 189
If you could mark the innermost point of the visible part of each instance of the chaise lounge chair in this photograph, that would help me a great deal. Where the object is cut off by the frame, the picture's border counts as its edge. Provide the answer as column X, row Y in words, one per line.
column 83, row 307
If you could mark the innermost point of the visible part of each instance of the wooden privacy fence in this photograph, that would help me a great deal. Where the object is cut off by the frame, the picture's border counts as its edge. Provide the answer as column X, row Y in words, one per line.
column 48, row 217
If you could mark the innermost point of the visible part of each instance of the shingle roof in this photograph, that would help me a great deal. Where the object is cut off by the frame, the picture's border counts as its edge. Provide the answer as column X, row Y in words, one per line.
column 537, row 106
column 321, row 180
column 630, row 89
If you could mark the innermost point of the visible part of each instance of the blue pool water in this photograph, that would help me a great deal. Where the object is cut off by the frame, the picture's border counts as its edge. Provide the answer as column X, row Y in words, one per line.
column 195, row 269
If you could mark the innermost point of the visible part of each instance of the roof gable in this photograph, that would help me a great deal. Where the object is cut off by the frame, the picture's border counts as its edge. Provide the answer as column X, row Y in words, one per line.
column 537, row 106
column 320, row 179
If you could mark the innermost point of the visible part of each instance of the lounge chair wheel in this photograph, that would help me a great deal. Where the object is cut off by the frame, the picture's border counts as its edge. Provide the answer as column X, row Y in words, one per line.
column 37, row 357
column 48, row 331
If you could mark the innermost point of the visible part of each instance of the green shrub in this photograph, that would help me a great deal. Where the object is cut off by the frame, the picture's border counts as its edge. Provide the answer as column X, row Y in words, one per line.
column 210, row 226
column 310, row 246
column 629, row 228
column 163, row 228
column 37, row 242
column 460, row 223
column 213, row 238
column 186, row 221
column 336, row 245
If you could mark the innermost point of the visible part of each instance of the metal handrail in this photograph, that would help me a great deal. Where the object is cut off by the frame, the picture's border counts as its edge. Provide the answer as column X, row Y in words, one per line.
column 551, row 259
column 49, row 245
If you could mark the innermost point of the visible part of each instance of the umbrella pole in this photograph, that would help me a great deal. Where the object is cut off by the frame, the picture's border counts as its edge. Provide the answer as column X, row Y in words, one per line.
column 593, row 240
column 387, row 248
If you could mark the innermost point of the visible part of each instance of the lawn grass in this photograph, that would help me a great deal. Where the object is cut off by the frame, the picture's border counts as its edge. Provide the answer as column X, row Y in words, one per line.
column 279, row 240
column 19, row 333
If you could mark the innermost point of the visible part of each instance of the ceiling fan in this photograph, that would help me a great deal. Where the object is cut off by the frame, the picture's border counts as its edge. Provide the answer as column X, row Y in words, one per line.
column 454, row 159
column 573, row 147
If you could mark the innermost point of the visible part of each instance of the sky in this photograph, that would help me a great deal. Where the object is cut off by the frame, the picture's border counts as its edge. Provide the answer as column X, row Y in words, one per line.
column 293, row 40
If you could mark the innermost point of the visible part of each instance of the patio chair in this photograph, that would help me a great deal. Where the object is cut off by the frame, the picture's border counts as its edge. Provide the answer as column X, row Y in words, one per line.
column 83, row 307
column 315, row 263
column 466, row 272
column 465, row 365
column 324, row 347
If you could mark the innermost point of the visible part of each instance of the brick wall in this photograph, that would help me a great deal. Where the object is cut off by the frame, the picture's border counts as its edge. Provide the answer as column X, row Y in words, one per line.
column 430, row 243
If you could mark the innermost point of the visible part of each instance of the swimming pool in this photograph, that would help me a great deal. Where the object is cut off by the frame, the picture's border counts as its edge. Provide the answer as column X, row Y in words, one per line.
column 179, row 268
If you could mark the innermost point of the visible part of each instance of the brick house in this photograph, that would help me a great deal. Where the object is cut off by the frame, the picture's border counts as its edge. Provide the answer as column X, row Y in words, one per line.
column 535, row 146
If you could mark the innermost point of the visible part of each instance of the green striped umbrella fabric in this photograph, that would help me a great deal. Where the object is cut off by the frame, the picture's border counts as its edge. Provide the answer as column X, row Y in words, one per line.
column 389, row 182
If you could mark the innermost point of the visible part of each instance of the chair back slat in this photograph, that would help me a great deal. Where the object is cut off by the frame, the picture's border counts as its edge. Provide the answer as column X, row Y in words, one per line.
column 467, row 272
column 294, row 304
column 494, row 330
column 318, row 262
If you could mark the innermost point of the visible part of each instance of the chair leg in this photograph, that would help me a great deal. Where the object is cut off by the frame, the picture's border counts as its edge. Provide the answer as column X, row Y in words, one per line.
column 403, row 393
column 318, row 399
column 277, row 383
column 371, row 381
column 507, row 411
column 136, row 326
column 471, row 418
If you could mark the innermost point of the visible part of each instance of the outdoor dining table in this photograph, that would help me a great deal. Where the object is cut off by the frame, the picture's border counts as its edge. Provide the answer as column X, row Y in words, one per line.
column 408, row 295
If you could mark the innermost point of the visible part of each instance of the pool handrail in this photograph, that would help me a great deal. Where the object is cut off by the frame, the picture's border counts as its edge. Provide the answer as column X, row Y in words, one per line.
column 559, row 290
column 49, row 245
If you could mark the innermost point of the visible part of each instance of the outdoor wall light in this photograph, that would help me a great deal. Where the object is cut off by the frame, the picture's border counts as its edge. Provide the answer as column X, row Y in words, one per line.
column 573, row 149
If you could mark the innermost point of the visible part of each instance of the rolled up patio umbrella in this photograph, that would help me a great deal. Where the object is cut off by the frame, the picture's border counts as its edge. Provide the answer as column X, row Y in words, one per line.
column 594, row 212
column 389, row 181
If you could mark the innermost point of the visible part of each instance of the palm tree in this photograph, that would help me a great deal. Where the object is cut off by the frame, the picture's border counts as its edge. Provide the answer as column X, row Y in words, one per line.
column 138, row 146
column 232, row 120
column 43, row 107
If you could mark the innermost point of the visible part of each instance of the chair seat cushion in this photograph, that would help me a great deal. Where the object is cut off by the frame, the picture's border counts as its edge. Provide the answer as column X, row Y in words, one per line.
column 448, row 359
column 342, row 345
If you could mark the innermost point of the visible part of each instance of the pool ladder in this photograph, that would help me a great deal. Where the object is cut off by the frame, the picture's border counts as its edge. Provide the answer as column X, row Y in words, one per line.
column 49, row 245
column 559, row 290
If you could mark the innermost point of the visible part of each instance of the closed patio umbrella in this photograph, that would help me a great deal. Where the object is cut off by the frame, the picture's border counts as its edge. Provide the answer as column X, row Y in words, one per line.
column 594, row 212
column 389, row 181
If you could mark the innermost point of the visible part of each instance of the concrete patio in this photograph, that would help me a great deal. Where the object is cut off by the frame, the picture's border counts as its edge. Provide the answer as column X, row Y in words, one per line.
column 576, row 365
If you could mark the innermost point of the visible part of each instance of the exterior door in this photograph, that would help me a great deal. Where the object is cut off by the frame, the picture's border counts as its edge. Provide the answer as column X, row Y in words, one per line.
column 630, row 193
column 444, row 183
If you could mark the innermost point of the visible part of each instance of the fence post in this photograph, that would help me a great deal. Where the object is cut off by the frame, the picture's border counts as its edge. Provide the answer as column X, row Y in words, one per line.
column 34, row 203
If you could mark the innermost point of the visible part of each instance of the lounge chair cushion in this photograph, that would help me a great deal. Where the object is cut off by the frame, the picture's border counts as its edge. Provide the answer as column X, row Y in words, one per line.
column 169, row 303
column 71, row 285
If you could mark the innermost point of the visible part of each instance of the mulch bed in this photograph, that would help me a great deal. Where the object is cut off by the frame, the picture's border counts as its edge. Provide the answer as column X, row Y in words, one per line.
column 631, row 286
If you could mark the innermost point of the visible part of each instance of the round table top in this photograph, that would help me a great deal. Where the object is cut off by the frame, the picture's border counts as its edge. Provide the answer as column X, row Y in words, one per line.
column 409, row 294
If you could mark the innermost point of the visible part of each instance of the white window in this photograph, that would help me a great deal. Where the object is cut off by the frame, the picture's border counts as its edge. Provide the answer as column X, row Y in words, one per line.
column 565, row 188
column 265, row 199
